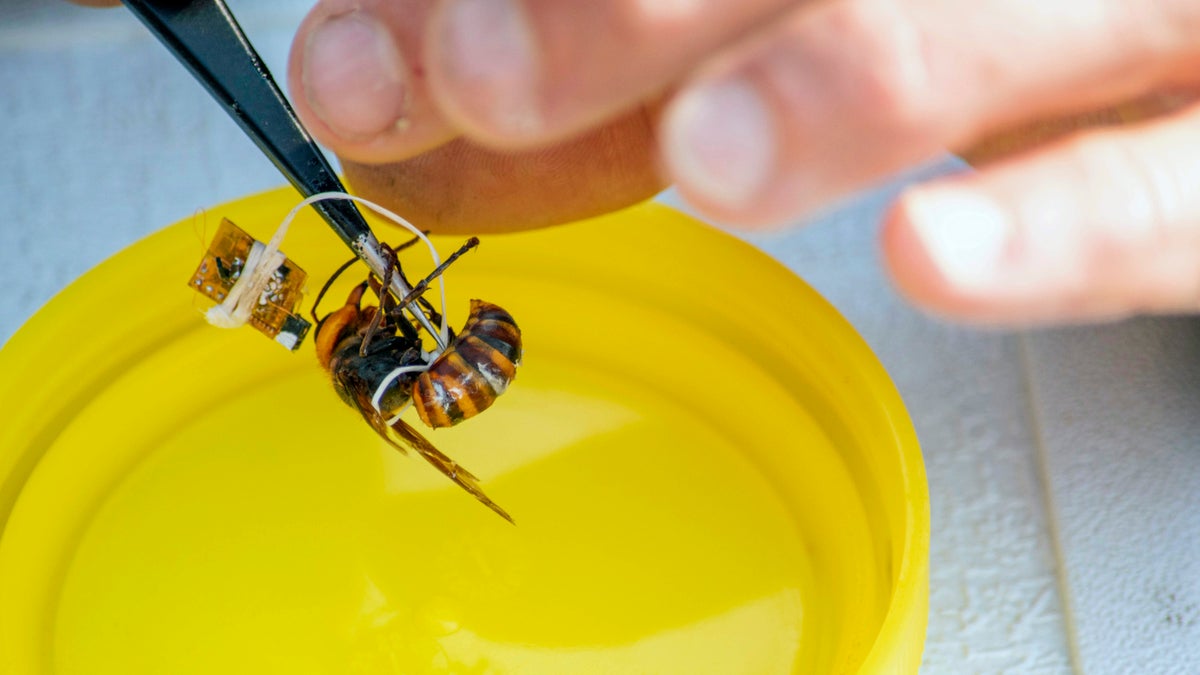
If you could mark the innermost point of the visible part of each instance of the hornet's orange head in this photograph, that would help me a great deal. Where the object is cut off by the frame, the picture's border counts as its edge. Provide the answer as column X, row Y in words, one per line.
column 340, row 324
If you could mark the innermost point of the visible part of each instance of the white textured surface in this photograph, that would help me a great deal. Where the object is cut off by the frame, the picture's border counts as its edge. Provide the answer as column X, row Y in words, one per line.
column 1064, row 466
column 1118, row 414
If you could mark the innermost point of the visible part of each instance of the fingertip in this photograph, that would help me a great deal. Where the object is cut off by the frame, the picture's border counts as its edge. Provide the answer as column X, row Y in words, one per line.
column 946, row 249
column 484, row 67
column 354, row 76
column 906, row 260
column 720, row 144
column 903, row 256
column 354, row 84
column 717, row 143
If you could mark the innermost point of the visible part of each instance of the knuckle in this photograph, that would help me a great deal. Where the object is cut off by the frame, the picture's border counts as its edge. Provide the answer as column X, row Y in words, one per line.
column 1118, row 194
column 894, row 71
column 1158, row 28
column 1138, row 218
column 887, row 70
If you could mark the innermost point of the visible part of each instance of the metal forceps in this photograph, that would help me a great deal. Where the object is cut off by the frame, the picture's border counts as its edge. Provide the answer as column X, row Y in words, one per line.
column 206, row 38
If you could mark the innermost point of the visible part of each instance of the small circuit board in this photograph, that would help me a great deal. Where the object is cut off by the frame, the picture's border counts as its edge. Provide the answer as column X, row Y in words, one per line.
column 273, row 311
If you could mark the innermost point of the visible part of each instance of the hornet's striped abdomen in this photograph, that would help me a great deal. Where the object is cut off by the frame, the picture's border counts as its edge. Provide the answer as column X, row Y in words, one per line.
column 476, row 368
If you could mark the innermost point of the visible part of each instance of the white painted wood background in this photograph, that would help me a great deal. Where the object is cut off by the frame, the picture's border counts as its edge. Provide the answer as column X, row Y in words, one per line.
column 1064, row 465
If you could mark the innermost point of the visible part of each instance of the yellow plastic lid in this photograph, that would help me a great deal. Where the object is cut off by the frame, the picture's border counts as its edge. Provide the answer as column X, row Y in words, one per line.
column 709, row 471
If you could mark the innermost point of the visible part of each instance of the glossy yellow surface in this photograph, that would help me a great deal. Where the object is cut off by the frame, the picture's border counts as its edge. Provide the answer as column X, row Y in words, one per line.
column 709, row 473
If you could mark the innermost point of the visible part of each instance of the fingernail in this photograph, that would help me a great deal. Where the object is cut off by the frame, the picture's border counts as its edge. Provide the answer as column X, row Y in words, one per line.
column 354, row 76
column 966, row 235
column 488, row 54
column 720, row 142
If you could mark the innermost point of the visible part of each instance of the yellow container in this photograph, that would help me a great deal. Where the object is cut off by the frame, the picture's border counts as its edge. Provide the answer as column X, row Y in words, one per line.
column 709, row 471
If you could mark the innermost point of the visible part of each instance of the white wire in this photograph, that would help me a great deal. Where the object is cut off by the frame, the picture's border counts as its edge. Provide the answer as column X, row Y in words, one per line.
column 377, row 399
column 277, row 239
column 235, row 310
column 400, row 413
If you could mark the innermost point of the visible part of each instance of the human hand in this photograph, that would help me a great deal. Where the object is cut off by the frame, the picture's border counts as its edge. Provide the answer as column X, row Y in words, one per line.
column 773, row 107
column 762, row 109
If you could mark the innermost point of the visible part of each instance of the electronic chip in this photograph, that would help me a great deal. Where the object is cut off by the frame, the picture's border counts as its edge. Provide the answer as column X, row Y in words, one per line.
column 273, row 311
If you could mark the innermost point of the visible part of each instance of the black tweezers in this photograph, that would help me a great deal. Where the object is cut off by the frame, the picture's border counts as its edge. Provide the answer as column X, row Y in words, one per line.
column 206, row 38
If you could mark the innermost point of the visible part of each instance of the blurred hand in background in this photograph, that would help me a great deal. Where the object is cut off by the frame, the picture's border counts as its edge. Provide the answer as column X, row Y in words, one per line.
column 487, row 115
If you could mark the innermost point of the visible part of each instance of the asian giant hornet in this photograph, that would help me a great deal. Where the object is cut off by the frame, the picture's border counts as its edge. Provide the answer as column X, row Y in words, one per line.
column 375, row 358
